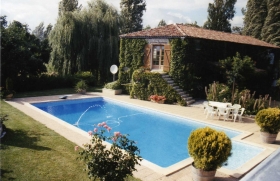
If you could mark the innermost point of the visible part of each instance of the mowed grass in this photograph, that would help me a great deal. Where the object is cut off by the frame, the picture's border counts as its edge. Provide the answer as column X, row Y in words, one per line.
column 31, row 151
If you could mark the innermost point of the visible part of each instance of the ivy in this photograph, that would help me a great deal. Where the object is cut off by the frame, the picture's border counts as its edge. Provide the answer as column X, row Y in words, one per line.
column 177, row 64
column 146, row 83
column 131, row 58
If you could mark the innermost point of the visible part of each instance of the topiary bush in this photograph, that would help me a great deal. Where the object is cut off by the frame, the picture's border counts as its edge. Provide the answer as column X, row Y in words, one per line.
column 209, row 148
column 269, row 120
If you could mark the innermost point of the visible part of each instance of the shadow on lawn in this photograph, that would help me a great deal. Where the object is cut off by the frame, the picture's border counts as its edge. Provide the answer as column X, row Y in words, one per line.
column 19, row 138
column 3, row 172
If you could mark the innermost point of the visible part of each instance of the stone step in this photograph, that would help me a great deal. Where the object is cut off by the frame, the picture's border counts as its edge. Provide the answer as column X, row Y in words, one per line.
column 167, row 78
column 185, row 96
column 188, row 98
column 179, row 90
column 170, row 82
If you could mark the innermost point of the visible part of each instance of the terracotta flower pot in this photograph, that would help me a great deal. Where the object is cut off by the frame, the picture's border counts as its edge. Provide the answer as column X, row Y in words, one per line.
column 268, row 137
column 202, row 175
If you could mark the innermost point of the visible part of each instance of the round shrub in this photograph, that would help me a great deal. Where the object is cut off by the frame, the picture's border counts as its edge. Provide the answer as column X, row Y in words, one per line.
column 269, row 120
column 113, row 85
column 209, row 148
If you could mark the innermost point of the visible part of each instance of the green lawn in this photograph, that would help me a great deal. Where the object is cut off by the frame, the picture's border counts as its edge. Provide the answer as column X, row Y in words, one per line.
column 30, row 151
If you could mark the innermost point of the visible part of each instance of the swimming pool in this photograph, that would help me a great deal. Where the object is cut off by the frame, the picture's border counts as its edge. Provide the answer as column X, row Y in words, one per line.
column 162, row 138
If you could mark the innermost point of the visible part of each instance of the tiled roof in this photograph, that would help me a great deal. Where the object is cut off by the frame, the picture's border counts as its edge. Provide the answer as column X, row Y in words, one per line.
column 179, row 30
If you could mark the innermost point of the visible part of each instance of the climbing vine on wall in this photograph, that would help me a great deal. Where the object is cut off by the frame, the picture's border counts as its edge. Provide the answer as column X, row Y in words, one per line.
column 177, row 64
column 131, row 58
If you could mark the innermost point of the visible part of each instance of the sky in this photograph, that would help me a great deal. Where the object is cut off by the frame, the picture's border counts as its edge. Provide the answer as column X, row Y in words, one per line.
column 33, row 12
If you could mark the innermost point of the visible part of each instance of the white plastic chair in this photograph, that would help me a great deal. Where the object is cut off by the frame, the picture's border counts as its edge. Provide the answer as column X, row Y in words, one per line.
column 239, row 115
column 211, row 111
column 223, row 111
column 235, row 110
column 205, row 106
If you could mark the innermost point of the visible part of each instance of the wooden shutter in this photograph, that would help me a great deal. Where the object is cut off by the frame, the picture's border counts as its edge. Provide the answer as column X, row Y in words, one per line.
column 167, row 57
column 146, row 61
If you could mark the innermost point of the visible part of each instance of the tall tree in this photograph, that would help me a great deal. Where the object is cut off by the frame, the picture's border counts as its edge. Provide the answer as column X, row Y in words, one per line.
column 20, row 51
column 256, row 12
column 271, row 29
column 68, row 6
column 86, row 40
column 219, row 14
column 131, row 14
column 39, row 31
column 161, row 23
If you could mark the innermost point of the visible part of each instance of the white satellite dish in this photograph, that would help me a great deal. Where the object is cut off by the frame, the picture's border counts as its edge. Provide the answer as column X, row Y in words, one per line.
column 114, row 70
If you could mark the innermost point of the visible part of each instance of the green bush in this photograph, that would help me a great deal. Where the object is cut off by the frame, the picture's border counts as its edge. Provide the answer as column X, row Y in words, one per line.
column 209, row 148
column 81, row 85
column 218, row 92
column 145, row 83
column 43, row 82
column 269, row 120
column 87, row 76
column 113, row 85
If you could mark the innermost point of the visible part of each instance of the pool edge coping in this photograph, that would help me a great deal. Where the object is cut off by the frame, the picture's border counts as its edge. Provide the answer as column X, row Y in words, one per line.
column 237, row 173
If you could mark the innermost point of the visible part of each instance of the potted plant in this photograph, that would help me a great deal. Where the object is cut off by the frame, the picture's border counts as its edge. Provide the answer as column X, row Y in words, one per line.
column 209, row 149
column 81, row 87
column 158, row 99
column 269, row 122
column 112, row 88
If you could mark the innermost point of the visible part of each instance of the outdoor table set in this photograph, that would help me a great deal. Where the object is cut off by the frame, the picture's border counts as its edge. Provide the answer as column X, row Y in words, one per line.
column 226, row 110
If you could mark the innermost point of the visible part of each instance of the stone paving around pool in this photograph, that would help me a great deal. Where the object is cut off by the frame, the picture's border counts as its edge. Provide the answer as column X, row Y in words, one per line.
column 143, row 172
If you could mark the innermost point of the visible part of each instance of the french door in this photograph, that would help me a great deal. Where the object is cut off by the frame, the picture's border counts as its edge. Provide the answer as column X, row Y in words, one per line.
column 158, row 57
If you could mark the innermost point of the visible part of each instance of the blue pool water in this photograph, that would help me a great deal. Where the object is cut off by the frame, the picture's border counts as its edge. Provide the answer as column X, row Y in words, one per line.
column 161, row 138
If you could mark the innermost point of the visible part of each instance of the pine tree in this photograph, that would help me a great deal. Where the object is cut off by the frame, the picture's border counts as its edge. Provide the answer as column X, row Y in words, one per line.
column 131, row 14
column 271, row 29
column 219, row 14
column 256, row 12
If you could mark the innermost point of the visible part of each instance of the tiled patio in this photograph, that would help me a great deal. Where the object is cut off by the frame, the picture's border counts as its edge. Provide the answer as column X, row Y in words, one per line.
column 194, row 112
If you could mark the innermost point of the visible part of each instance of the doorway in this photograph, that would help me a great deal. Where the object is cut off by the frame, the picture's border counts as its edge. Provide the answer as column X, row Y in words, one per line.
column 158, row 57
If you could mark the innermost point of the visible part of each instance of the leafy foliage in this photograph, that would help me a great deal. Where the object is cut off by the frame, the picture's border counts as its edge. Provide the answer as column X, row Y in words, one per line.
column 271, row 29
column 209, row 148
column 251, row 104
column 269, row 120
column 68, row 6
column 81, row 85
column 113, row 85
column 21, row 52
column 113, row 163
column 177, row 65
column 162, row 23
column 131, row 15
column 131, row 58
column 254, row 19
column 218, row 92
column 237, row 71
column 262, row 20
column 219, row 14
column 86, row 40
column 145, row 84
